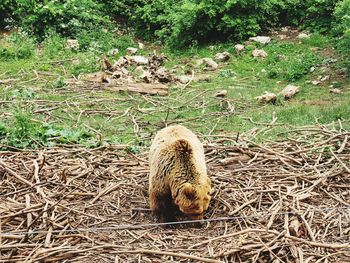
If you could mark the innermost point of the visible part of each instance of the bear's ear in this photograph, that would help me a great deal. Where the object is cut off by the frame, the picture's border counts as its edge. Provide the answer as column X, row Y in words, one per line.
column 189, row 191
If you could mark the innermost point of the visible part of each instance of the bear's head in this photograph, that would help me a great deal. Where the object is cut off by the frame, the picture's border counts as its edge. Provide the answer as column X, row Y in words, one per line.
column 193, row 200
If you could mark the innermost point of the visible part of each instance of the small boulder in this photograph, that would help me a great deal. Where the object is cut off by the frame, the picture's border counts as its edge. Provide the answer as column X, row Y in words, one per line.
column 183, row 79
column 315, row 82
column 261, row 39
column 224, row 56
column 72, row 44
column 289, row 91
column 267, row 97
column 139, row 60
column 131, row 50
column 335, row 91
column 303, row 36
column 259, row 53
column 239, row 48
column 210, row 64
column 163, row 75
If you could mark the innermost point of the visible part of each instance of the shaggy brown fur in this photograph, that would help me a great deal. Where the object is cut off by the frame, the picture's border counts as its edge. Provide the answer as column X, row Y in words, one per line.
column 178, row 174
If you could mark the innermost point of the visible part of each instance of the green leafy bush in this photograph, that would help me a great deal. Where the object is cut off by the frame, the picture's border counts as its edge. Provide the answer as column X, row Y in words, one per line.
column 188, row 21
column 67, row 18
column 17, row 46
column 319, row 14
column 342, row 30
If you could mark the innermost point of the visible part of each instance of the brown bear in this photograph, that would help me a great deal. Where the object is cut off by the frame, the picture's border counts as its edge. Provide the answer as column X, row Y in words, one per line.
column 178, row 175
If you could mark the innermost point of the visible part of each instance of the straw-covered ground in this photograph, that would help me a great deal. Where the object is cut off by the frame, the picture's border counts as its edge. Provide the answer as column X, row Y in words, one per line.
column 282, row 201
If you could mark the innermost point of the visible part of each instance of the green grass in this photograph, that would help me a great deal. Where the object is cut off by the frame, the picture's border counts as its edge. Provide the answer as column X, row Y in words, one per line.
column 42, row 108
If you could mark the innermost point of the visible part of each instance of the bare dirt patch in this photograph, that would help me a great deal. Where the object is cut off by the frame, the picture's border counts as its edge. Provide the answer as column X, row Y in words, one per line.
column 285, row 201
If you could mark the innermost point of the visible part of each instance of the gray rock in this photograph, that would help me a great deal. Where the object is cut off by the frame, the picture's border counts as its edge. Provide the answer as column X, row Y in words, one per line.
column 210, row 64
column 303, row 36
column 224, row 56
column 259, row 53
column 289, row 91
column 267, row 97
column 261, row 39
column 139, row 60
column 239, row 48
column 72, row 44
column 131, row 50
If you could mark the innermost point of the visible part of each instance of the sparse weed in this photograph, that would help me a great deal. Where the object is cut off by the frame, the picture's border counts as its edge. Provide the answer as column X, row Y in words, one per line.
column 16, row 46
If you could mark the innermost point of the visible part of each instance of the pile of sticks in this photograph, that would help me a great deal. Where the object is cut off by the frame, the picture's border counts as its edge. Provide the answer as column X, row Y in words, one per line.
column 284, row 201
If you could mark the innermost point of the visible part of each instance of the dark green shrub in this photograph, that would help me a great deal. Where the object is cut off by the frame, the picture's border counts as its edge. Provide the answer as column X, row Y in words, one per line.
column 6, row 12
column 319, row 14
column 342, row 30
column 184, row 22
column 121, row 10
column 17, row 46
column 68, row 18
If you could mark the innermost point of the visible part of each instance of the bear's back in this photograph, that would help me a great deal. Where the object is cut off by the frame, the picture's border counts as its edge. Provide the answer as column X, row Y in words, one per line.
column 162, row 147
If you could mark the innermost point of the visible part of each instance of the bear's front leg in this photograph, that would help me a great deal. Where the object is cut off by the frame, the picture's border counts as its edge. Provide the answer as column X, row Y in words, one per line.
column 162, row 206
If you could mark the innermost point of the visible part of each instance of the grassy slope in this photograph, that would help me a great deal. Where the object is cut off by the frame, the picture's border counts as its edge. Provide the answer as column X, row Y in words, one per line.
column 42, row 109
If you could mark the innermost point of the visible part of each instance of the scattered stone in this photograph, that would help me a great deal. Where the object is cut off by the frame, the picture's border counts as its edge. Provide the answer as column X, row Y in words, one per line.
column 315, row 82
column 289, row 91
column 221, row 94
column 285, row 29
column 113, row 52
column 72, row 44
column 259, row 53
column 303, row 36
column 239, row 48
column 121, row 62
column 312, row 69
column 267, row 97
column 131, row 50
column 282, row 37
column 261, row 39
column 141, row 45
column 183, row 79
column 139, row 60
column 224, row 56
column 210, row 64
column 163, row 75
column 325, row 78
column 335, row 91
